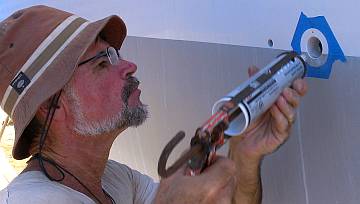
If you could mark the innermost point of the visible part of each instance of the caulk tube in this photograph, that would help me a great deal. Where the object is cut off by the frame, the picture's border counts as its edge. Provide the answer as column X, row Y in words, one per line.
column 259, row 92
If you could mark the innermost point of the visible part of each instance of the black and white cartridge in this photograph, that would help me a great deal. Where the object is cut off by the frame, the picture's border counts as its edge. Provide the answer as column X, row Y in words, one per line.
column 260, row 91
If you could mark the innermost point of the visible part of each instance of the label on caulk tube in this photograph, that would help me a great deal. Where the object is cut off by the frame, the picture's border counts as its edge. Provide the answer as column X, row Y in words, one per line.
column 258, row 93
column 265, row 95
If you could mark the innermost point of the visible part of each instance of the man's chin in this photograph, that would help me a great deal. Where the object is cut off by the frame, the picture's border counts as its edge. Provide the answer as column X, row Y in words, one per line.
column 135, row 116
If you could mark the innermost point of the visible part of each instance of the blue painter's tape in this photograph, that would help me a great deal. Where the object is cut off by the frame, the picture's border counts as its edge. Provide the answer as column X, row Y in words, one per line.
column 335, row 52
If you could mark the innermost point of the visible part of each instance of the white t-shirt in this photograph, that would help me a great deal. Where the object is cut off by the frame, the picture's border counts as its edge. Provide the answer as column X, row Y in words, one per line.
column 122, row 183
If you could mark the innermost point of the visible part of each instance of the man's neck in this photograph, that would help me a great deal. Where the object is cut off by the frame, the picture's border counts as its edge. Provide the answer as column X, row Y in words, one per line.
column 85, row 157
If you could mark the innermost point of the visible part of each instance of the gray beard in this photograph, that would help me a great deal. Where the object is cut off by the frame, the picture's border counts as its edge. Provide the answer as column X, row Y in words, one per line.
column 127, row 117
column 133, row 117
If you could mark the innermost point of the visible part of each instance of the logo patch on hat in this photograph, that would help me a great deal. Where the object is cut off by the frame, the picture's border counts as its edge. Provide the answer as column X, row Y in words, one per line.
column 20, row 82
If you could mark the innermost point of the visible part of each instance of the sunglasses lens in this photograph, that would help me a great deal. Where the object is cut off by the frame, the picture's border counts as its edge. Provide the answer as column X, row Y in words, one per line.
column 113, row 56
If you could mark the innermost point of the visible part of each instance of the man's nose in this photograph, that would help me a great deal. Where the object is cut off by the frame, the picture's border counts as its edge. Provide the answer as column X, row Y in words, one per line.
column 128, row 69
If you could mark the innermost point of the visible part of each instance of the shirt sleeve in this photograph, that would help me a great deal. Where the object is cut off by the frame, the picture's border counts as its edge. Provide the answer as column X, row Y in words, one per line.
column 145, row 188
column 30, row 195
column 141, row 187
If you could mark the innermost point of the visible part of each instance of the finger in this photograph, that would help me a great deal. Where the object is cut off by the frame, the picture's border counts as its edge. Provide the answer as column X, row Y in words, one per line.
column 281, row 122
column 252, row 70
column 219, row 173
column 285, row 108
column 291, row 97
column 300, row 86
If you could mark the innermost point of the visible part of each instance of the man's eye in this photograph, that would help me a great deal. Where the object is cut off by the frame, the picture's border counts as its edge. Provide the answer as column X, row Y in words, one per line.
column 103, row 64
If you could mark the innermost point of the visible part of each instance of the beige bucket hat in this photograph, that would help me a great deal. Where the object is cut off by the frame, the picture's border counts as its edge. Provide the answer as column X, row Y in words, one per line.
column 39, row 49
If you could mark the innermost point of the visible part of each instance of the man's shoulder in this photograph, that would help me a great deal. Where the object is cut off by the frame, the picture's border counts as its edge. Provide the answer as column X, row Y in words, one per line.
column 29, row 194
column 139, row 187
column 117, row 170
column 32, row 187
column 114, row 164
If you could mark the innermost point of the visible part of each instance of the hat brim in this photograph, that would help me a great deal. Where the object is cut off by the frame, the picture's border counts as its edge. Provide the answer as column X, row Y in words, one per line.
column 112, row 29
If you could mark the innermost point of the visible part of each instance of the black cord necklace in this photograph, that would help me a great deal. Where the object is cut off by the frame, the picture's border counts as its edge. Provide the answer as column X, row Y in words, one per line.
column 44, row 130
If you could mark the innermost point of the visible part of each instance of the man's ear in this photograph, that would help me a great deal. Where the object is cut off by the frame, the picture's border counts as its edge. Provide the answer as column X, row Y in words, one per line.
column 60, row 113
column 61, row 109
column 44, row 108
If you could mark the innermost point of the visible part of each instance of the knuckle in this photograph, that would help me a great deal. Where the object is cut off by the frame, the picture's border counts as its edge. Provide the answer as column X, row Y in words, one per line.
column 209, row 192
column 292, row 116
column 305, row 88
column 289, row 92
column 296, row 100
column 301, row 86
column 229, row 168
column 285, row 124
column 296, row 103
column 281, row 100
column 292, row 97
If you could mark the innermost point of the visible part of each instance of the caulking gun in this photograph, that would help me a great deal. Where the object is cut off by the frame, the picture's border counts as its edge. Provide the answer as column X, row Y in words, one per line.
column 234, row 113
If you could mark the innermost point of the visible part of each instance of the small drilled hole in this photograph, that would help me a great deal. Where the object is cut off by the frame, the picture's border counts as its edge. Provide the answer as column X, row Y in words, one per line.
column 11, row 45
column 270, row 43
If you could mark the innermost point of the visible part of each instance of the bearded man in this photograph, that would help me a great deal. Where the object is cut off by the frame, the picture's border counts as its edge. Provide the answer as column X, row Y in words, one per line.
column 70, row 95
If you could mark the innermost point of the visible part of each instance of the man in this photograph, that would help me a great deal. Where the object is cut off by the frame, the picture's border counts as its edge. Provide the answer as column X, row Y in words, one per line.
column 70, row 95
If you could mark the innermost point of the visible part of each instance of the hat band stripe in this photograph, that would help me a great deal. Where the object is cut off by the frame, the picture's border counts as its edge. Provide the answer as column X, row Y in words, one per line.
column 42, row 70
column 44, row 55
column 53, row 47
column 38, row 65
column 42, row 58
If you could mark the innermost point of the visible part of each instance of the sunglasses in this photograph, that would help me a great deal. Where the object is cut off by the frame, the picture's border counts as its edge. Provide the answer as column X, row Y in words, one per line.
column 110, row 52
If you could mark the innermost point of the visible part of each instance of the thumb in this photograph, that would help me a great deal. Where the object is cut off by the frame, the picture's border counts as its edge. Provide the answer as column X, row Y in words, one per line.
column 252, row 70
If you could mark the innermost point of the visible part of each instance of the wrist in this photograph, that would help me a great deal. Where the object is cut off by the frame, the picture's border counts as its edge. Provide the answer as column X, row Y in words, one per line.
column 244, row 155
column 248, row 169
column 248, row 177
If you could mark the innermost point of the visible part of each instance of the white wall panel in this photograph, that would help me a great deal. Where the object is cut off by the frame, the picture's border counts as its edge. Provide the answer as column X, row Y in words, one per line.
column 180, row 81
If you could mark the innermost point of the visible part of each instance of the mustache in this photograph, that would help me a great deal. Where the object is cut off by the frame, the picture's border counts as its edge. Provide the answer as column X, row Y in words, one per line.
column 131, row 84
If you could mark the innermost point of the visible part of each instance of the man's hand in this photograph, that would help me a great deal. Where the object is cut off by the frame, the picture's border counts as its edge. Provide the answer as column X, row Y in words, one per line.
column 215, row 185
column 262, row 137
column 272, row 129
